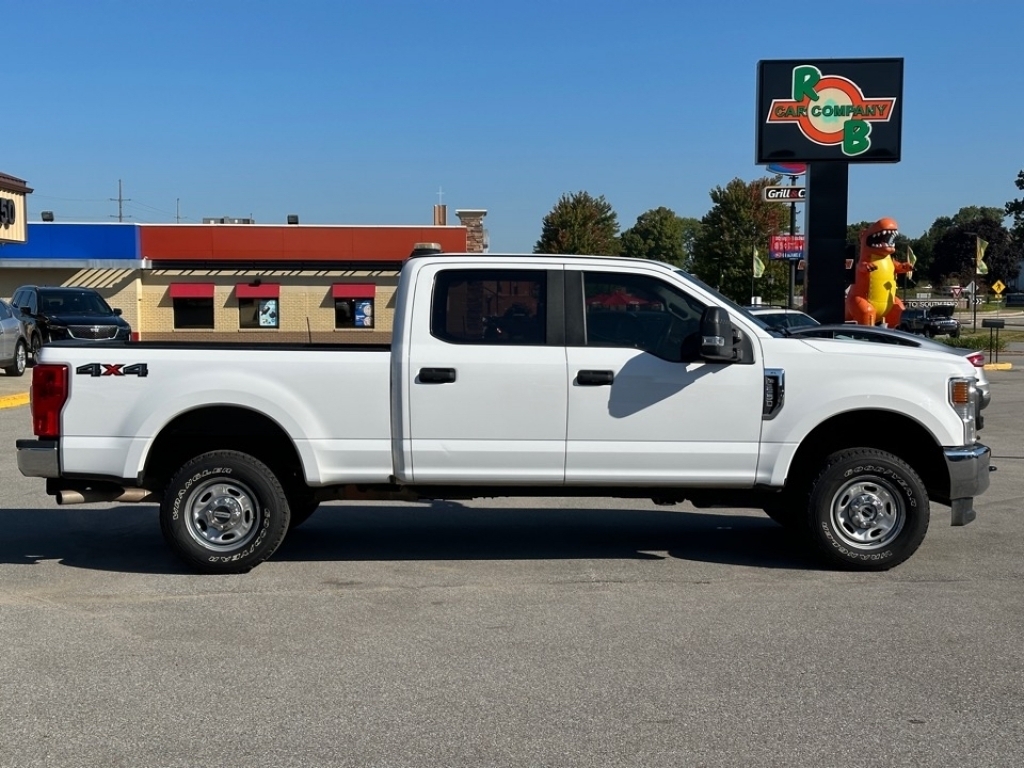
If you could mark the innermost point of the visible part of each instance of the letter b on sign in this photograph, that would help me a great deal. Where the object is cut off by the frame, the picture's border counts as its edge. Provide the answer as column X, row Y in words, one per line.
column 856, row 139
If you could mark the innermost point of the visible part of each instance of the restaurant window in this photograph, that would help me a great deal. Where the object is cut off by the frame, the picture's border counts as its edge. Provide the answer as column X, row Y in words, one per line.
column 494, row 306
column 354, row 304
column 193, row 305
column 259, row 305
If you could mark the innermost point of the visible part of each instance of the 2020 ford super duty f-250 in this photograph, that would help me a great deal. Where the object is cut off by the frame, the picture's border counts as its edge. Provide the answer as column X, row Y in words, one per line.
column 518, row 375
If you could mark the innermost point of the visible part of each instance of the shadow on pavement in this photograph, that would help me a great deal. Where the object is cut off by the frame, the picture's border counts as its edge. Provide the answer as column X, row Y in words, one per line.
column 128, row 539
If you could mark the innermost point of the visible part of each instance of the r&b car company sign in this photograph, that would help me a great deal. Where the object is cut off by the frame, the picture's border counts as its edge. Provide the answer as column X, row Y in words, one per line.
column 829, row 109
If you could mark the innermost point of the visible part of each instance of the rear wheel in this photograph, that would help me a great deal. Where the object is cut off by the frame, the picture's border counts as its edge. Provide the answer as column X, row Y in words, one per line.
column 17, row 368
column 869, row 510
column 224, row 512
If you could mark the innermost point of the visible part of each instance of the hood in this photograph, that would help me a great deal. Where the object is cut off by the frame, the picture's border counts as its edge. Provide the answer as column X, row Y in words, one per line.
column 75, row 318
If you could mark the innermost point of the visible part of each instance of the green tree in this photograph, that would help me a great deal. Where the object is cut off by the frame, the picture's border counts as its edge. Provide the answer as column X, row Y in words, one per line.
column 956, row 251
column 662, row 236
column 739, row 221
column 924, row 246
column 580, row 223
column 1015, row 208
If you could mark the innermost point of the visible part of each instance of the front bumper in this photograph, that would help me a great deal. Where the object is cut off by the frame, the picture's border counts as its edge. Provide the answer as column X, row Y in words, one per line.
column 38, row 458
column 968, row 468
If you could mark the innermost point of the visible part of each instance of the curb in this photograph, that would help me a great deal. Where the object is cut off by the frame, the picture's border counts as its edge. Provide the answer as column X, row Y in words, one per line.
column 13, row 401
column 998, row 366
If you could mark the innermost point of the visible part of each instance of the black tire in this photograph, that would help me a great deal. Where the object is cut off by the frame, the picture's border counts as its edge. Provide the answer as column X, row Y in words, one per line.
column 786, row 510
column 17, row 368
column 37, row 344
column 302, row 507
column 224, row 512
column 868, row 510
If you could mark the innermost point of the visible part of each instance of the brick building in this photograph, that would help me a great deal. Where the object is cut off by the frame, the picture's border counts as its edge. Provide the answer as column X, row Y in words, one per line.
column 237, row 282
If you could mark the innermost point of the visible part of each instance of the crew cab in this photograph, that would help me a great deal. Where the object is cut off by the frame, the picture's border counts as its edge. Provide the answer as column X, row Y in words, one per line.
column 530, row 375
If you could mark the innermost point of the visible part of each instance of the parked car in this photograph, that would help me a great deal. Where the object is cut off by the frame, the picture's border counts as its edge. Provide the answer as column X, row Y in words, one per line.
column 60, row 312
column 13, row 344
column 931, row 321
column 782, row 317
column 854, row 332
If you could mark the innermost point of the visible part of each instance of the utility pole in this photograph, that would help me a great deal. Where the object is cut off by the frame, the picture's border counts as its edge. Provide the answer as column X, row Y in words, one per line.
column 177, row 210
column 121, row 200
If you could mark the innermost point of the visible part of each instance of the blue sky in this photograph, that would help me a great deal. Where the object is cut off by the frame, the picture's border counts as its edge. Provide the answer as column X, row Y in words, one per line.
column 353, row 112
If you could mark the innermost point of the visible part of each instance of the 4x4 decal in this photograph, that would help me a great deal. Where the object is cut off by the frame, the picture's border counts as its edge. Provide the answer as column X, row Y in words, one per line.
column 113, row 369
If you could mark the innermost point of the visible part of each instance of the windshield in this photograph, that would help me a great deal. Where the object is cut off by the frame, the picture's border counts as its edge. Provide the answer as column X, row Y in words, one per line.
column 74, row 303
column 732, row 305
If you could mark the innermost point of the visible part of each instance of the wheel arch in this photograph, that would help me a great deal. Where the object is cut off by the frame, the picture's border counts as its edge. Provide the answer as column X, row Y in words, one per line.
column 221, row 427
column 895, row 433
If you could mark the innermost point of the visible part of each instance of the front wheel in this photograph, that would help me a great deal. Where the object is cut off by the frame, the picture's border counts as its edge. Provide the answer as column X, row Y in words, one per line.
column 869, row 510
column 224, row 512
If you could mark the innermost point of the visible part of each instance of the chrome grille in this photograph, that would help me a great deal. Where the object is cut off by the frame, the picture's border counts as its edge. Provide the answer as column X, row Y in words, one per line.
column 92, row 331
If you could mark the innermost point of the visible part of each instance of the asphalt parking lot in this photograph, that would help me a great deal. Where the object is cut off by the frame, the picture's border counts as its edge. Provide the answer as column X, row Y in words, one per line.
column 499, row 633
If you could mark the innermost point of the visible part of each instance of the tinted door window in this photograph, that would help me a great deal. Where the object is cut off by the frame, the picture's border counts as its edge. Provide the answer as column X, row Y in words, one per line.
column 641, row 312
column 503, row 307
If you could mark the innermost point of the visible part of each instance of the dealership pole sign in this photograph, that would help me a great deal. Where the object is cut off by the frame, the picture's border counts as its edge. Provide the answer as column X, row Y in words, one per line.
column 829, row 109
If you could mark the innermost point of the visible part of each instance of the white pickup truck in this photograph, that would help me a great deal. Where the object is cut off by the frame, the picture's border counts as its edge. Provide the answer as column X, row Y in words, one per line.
column 518, row 376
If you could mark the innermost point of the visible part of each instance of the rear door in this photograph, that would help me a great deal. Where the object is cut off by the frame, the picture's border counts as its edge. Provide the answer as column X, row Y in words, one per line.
column 9, row 332
column 487, row 384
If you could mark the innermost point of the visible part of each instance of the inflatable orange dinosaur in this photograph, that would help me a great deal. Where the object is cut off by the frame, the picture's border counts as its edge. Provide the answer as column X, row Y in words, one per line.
column 872, row 298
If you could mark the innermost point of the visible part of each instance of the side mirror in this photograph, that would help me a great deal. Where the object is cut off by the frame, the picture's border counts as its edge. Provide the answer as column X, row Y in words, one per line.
column 26, row 311
column 716, row 339
column 117, row 311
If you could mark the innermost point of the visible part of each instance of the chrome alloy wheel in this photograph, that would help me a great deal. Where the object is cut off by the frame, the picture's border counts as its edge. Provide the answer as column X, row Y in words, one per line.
column 21, row 359
column 222, row 515
column 868, row 514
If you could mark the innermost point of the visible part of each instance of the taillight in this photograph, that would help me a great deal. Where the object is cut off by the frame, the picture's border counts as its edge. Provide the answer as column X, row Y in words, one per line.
column 977, row 359
column 49, row 393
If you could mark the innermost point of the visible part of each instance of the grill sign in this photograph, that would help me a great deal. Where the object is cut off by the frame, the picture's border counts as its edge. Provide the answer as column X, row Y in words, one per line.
column 787, row 194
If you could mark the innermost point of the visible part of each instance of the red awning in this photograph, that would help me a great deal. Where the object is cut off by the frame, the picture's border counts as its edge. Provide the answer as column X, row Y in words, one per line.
column 191, row 290
column 353, row 290
column 263, row 291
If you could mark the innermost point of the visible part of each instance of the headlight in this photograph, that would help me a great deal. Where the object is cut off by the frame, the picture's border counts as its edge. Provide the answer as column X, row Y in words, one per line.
column 963, row 397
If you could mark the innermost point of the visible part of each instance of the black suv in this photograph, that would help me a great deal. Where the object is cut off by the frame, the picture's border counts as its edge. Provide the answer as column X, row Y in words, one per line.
column 57, row 312
column 931, row 321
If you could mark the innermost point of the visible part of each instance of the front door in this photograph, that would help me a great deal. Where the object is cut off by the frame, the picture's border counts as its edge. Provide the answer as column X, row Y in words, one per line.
column 643, row 406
